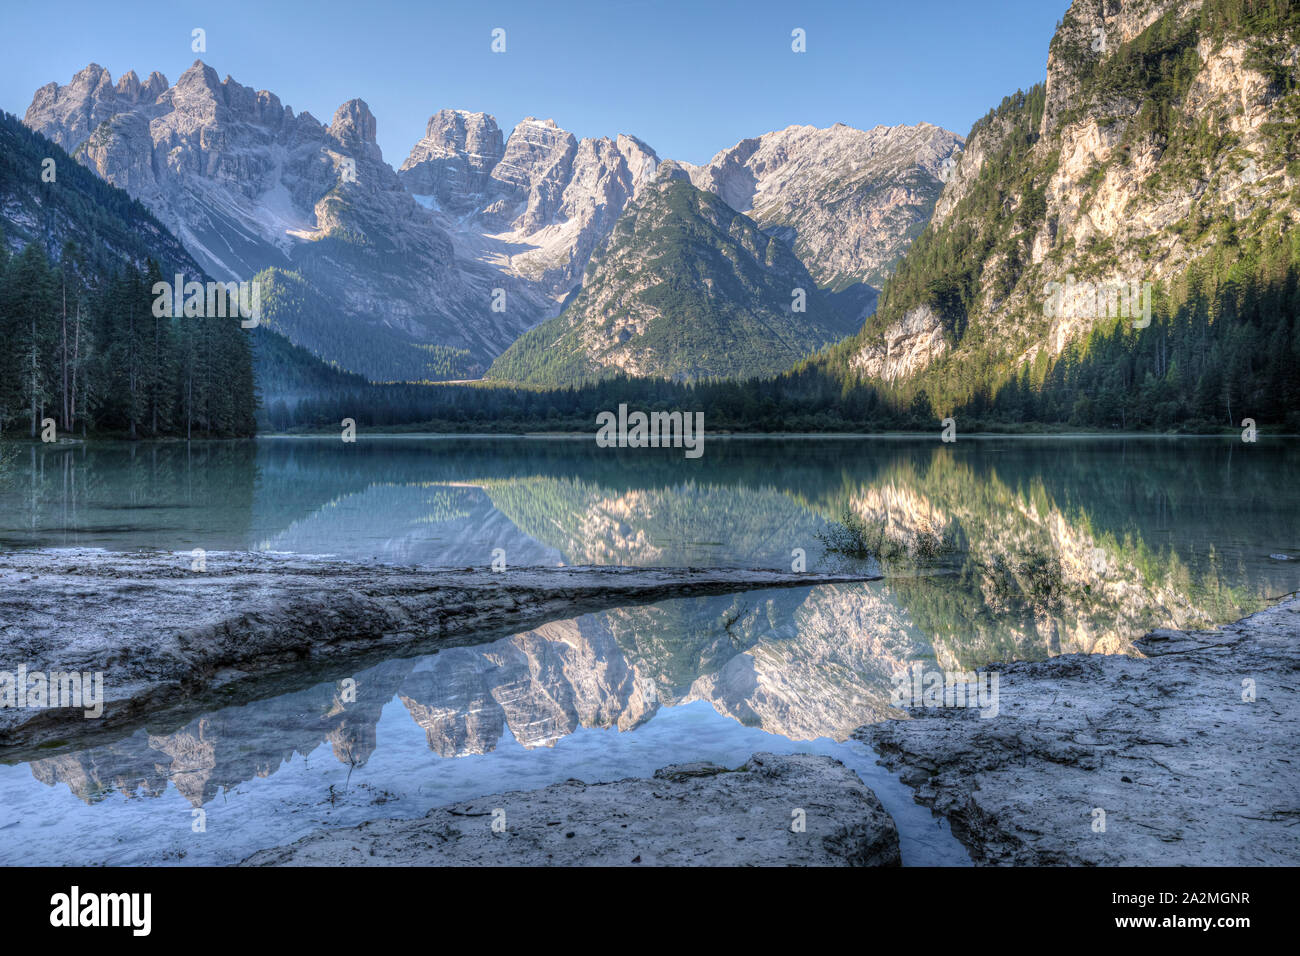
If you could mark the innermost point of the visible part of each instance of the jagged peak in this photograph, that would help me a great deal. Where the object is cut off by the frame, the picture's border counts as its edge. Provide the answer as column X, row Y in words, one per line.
column 439, row 122
column 627, row 139
column 354, row 123
column 670, row 170
column 128, row 84
column 199, row 74
column 542, row 131
column 91, row 69
column 468, row 114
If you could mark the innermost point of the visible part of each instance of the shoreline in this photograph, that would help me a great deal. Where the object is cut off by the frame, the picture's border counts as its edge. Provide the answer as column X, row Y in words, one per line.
column 170, row 641
column 795, row 810
column 1234, row 434
column 1187, row 763
column 906, row 435
column 1184, row 770
column 1180, row 756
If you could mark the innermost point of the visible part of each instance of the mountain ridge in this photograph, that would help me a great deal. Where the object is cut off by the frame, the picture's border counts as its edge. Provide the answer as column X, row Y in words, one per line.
column 848, row 201
column 684, row 288
column 1155, row 150
column 249, row 185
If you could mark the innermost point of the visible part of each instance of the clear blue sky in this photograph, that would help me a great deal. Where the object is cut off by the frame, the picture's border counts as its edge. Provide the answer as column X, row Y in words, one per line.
column 688, row 78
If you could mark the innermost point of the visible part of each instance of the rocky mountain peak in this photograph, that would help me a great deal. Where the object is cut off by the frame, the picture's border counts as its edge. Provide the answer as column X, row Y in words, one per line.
column 248, row 187
column 92, row 72
column 536, row 148
column 685, row 287
column 668, row 170
column 451, row 164
column 199, row 76
column 848, row 200
column 354, row 125
column 68, row 114
column 154, row 87
column 474, row 135
column 128, row 85
column 534, row 205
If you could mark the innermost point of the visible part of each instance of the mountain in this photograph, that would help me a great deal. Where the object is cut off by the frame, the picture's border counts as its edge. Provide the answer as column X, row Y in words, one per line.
column 247, row 185
column 685, row 288
column 801, row 663
column 535, row 205
column 1157, row 158
column 80, row 343
column 848, row 201
column 430, row 272
column 74, row 205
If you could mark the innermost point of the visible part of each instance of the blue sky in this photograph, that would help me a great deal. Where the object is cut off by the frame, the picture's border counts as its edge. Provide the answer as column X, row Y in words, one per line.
column 688, row 78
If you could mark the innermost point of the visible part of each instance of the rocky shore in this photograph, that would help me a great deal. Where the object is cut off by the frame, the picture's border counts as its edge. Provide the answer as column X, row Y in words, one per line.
column 1182, row 755
column 1186, row 756
column 799, row 810
column 170, row 640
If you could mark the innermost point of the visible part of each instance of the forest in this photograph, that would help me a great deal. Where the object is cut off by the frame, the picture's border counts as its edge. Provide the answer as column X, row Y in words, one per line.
column 90, row 355
column 79, row 343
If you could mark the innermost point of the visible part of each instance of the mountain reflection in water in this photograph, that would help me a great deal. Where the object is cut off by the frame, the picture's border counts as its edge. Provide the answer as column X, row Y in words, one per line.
column 1052, row 546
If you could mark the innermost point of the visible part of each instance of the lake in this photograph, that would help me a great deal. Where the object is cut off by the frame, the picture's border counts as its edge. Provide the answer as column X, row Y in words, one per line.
column 993, row 549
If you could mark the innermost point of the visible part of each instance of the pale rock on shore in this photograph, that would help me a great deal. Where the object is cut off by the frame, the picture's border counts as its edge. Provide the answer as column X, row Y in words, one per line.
column 686, row 815
column 168, row 638
column 1185, row 770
